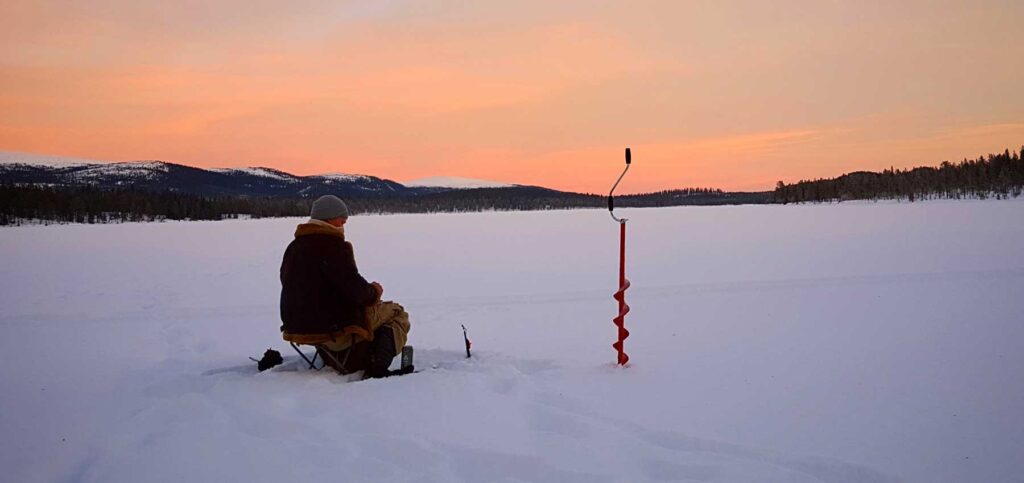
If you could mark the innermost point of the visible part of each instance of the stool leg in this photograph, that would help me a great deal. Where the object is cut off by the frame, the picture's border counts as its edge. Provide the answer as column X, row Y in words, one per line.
column 337, row 364
column 312, row 363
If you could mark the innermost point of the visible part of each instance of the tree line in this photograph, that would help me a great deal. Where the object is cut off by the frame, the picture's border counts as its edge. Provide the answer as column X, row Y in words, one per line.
column 19, row 204
column 29, row 203
column 996, row 175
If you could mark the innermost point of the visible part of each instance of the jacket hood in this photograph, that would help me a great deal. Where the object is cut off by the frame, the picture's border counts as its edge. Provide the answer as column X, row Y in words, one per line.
column 317, row 227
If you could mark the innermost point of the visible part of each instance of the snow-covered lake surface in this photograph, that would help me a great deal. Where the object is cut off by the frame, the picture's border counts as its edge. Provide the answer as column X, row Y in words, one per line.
column 833, row 343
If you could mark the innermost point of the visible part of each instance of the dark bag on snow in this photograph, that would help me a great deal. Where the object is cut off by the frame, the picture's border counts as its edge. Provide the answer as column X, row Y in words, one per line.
column 270, row 359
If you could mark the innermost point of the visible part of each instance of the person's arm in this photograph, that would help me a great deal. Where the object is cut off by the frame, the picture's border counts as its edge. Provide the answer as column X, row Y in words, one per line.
column 282, row 272
column 340, row 268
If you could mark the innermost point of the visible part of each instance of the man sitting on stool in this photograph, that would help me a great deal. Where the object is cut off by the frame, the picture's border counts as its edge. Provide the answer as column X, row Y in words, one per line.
column 323, row 294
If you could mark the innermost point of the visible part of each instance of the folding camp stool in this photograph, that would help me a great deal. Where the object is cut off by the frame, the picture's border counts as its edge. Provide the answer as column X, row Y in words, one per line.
column 319, row 341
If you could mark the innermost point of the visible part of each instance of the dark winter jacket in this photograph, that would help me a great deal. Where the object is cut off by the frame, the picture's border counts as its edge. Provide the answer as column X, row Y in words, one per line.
column 321, row 289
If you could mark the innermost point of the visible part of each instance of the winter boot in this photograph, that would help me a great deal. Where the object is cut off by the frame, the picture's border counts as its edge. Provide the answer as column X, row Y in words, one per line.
column 382, row 351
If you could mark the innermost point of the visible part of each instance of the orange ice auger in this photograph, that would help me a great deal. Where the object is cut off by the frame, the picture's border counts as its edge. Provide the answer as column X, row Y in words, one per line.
column 620, row 295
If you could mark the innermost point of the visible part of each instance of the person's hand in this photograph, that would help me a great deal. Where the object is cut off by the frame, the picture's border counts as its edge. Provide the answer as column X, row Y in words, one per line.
column 379, row 288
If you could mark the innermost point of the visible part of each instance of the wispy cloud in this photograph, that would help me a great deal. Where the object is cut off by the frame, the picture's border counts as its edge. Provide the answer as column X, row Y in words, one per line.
column 759, row 143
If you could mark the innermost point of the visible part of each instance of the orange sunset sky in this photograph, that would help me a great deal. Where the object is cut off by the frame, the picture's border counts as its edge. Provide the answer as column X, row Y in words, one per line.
column 730, row 94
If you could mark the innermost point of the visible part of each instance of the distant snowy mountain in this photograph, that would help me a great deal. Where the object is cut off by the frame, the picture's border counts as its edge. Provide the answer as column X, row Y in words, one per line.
column 42, row 170
column 454, row 182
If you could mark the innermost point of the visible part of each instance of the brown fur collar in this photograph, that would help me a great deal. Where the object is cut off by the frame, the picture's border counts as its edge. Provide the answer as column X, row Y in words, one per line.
column 317, row 227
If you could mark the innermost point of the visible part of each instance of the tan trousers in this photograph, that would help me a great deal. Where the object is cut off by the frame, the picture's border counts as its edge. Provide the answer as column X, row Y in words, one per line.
column 383, row 314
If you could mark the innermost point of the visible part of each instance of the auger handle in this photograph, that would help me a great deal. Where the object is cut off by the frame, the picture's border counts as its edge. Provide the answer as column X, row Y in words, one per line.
column 611, row 197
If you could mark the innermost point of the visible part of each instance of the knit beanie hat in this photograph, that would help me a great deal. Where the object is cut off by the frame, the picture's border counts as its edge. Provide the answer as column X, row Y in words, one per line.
column 328, row 207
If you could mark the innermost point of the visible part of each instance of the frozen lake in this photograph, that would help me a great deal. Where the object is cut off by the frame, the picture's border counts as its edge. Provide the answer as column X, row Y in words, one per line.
column 838, row 343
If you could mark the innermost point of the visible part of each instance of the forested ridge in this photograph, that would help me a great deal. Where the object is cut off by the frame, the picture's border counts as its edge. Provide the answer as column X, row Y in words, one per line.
column 22, row 203
column 996, row 175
